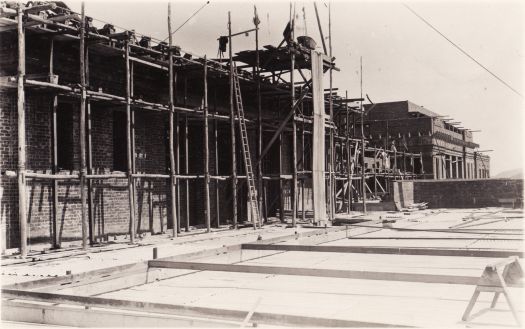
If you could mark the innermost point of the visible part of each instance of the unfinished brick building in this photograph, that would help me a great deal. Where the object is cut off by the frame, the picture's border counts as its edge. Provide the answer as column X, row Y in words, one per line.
column 448, row 150
column 107, row 133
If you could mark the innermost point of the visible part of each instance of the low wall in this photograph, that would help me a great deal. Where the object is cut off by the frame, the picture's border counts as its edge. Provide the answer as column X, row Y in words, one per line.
column 385, row 205
column 459, row 193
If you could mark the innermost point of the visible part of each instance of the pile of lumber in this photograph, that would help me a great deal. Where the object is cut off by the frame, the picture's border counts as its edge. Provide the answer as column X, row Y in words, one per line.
column 416, row 207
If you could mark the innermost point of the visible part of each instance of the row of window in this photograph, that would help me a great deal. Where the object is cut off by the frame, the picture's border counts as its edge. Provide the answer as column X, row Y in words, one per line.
column 444, row 171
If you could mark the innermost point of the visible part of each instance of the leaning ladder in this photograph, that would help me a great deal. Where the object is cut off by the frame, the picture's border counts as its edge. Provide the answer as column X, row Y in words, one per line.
column 252, row 190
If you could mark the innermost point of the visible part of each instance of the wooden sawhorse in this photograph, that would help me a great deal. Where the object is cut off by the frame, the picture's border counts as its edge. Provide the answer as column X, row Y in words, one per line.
column 496, row 281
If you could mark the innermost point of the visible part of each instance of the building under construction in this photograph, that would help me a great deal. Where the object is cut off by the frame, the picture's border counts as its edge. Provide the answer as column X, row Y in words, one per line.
column 108, row 132
column 118, row 150
column 448, row 149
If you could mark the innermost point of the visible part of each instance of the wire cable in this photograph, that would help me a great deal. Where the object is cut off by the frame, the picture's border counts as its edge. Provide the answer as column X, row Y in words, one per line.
column 193, row 15
column 463, row 51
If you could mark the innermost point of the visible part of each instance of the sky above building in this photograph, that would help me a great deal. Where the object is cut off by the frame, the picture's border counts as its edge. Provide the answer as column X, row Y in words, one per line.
column 403, row 59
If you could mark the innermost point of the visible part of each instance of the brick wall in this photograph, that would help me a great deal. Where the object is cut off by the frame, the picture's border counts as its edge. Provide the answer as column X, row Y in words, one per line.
column 110, row 210
column 110, row 197
column 8, row 151
column 458, row 193
column 386, row 111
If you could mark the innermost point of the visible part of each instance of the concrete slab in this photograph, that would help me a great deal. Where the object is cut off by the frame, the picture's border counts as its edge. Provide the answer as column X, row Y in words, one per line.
column 398, row 303
column 128, row 254
column 379, row 302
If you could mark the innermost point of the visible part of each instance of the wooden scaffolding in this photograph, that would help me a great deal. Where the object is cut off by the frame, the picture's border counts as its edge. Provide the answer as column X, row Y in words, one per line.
column 275, row 74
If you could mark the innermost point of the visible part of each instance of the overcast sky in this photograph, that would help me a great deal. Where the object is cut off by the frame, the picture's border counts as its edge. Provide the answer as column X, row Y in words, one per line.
column 403, row 59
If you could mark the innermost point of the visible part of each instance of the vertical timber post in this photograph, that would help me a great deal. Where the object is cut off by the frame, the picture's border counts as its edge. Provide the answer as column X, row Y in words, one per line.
column 56, row 224
column 177, row 160
column 206, row 151
column 363, row 177
column 232, row 127
column 186, row 171
column 332, row 122
column 132, row 229
column 303, row 211
column 132, row 133
column 92, row 236
column 259, row 120
column 281, row 182
column 348, row 159
column 89, row 150
column 293, row 198
column 375, row 172
column 216, row 148
column 186, row 160
column 280, row 158
column 173, row 178
column 83, row 129
column 22, row 214
column 177, row 153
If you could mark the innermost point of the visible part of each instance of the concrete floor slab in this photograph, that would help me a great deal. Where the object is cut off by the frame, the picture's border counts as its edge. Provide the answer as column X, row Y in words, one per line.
column 368, row 301
column 398, row 303
column 128, row 254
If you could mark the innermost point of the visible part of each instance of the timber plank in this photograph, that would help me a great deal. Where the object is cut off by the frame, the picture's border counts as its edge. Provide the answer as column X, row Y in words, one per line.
column 386, row 250
column 329, row 273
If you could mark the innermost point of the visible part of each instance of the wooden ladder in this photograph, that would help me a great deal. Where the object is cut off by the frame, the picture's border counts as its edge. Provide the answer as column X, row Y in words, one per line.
column 250, row 178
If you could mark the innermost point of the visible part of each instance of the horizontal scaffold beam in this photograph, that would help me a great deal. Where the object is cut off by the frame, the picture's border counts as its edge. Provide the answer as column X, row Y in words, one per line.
column 10, row 82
